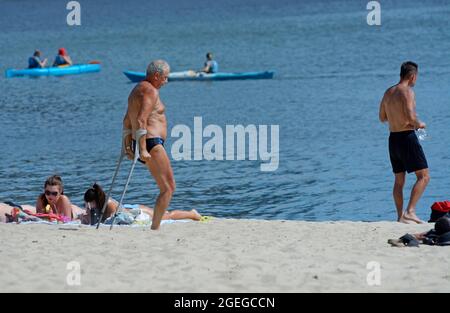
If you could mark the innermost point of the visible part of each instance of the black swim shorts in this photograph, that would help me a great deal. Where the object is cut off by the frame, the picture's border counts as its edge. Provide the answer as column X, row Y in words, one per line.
column 151, row 143
column 406, row 153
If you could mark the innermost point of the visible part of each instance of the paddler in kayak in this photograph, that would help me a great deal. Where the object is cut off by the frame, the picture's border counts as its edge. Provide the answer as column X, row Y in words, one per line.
column 211, row 66
column 35, row 60
column 62, row 58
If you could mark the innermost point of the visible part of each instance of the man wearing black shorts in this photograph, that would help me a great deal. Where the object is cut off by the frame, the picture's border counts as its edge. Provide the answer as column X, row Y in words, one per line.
column 398, row 108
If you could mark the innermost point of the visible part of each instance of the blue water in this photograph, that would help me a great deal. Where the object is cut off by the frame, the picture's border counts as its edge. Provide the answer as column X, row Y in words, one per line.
column 331, row 72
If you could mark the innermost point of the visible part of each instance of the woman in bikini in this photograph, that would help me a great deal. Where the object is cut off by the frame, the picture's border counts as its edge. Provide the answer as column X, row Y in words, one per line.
column 53, row 200
column 95, row 197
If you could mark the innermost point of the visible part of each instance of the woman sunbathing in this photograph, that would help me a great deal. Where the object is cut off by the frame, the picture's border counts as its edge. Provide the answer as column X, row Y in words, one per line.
column 95, row 198
column 51, row 205
column 53, row 200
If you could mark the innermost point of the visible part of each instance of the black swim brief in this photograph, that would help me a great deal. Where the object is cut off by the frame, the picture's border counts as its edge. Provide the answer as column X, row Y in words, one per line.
column 151, row 143
column 406, row 153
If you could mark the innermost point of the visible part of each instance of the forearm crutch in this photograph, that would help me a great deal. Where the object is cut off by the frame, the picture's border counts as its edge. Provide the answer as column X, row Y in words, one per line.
column 139, row 134
column 125, row 133
column 122, row 154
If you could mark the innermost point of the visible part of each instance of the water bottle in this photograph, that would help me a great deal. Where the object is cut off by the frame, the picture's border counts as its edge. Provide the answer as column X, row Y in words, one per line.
column 422, row 134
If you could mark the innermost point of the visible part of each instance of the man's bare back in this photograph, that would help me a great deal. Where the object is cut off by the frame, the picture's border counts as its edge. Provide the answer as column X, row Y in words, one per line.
column 398, row 108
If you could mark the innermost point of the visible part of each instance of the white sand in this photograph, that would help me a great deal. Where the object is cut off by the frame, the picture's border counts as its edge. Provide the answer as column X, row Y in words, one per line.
column 220, row 256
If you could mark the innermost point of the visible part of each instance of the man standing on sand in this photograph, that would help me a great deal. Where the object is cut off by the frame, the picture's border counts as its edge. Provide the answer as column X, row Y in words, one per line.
column 398, row 108
column 145, row 121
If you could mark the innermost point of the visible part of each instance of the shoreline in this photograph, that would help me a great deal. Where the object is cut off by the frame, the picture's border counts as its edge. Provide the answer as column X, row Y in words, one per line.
column 222, row 255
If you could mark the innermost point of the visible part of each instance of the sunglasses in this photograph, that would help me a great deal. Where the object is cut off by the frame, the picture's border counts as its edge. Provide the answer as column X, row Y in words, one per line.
column 51, row 193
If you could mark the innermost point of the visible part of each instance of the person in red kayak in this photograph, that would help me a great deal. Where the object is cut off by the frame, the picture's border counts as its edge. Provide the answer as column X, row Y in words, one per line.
column 62, row 58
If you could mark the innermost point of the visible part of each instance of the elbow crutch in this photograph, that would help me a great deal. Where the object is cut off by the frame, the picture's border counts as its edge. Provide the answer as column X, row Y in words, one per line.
column 139, row 134
column 125, row 133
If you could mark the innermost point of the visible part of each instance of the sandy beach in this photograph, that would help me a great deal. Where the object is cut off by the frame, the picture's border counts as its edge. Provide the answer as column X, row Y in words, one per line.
column 222, row 255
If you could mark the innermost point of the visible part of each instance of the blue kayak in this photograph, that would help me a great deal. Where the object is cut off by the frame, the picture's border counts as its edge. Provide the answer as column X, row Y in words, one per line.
column 191, row 75
column 54, row 71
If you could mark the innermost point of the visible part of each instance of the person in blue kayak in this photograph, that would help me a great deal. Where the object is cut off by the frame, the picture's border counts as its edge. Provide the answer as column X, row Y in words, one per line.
column 211, row 66
column 35, row 60
column 62, row 58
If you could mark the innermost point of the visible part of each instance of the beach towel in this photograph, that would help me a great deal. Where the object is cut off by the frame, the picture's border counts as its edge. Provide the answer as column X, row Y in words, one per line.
column 134, row 217
column 18, row 215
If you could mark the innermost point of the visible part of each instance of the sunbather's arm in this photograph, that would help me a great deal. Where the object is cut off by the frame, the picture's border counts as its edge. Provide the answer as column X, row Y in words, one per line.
column 66, row 207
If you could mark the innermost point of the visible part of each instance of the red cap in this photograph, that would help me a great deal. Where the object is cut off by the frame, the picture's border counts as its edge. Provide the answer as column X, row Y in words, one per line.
column 62, row 51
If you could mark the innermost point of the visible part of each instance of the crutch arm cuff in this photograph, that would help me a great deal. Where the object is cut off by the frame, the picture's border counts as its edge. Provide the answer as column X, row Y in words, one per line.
column 140, row 132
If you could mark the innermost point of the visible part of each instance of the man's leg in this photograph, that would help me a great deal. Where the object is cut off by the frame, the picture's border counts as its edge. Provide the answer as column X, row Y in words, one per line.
column 423, row 178
column 159, row 166
column 398, row 193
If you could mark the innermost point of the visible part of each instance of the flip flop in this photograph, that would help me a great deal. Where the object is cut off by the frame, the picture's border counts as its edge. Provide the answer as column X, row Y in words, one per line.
column 205, row 219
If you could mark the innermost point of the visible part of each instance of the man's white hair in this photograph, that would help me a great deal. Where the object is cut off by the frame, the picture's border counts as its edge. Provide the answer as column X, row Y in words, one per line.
column 157, row 66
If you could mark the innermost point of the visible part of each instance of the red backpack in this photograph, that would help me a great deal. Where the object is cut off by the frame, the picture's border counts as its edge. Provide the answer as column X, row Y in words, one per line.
column 438, row 210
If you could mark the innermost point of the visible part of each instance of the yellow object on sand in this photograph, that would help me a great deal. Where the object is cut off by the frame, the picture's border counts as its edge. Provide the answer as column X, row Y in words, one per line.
column 205, row 219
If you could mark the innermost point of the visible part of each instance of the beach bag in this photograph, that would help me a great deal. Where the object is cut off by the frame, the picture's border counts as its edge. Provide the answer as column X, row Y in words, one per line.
column 121, row 218
column 438, row 210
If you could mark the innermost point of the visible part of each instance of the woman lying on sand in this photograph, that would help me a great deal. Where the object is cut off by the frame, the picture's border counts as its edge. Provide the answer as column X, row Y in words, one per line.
column 52, row 204
column 94, row 199
column 54, row 201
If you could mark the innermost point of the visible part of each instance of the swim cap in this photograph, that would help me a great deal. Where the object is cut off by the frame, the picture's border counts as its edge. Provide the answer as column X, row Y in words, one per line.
column 62, row 51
